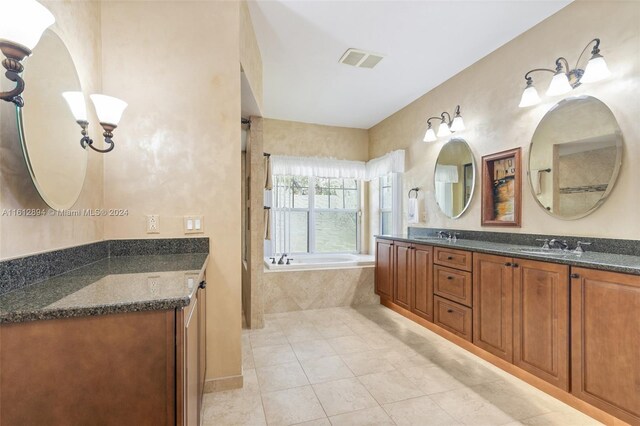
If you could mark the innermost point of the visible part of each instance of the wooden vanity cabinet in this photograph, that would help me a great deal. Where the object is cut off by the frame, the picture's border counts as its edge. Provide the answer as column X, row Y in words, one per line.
column 402, row 274
column 384, row 269
column 605, row 336
column 422, row 288
column 493, row 304
column 191, row 344
column 541, row 320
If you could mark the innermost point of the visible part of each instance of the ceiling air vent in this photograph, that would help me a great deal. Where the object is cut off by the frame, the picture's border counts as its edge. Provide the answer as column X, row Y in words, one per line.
column 360, row 58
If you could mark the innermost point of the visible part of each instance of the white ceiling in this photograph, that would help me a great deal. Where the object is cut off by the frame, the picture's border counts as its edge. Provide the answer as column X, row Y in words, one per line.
column 425, row 43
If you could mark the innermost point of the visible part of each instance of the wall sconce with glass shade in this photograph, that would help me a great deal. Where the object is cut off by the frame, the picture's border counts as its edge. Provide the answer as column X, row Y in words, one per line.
column 566, row 79
column 22, row 23
column 446, row 127
column 108, row 109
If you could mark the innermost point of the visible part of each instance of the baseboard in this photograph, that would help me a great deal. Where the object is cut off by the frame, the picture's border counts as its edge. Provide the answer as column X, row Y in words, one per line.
column 527, row 377
column 223, row 383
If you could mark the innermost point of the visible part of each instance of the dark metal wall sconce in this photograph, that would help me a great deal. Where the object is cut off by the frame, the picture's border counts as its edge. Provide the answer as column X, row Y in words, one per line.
column 20, row 31
column 565, row 78
column 447, row 126
column 109, row 111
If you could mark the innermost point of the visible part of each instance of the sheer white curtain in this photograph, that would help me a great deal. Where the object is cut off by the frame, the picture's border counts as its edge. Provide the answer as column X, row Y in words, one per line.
column 392, row 162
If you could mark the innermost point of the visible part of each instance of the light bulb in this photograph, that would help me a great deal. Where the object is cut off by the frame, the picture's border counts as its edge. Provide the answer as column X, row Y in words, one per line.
column 596, row 70
column 443, row 130
column 77, row 105
column 23, row 22
column 458, row 124
column 430, row 136
column 530, row 97
column 108, row 109
column 559, row 85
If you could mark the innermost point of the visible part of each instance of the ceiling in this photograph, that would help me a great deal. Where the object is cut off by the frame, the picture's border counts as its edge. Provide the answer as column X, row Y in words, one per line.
column 424, row 43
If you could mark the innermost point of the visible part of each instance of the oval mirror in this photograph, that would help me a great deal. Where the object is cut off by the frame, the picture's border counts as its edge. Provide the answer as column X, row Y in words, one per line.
column 454, row 178
column 575, row 157
column 49, row 135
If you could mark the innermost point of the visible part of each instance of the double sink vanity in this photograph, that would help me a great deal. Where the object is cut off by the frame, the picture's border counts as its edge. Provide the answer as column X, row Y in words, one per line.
column 128, row 315
column 566, row 322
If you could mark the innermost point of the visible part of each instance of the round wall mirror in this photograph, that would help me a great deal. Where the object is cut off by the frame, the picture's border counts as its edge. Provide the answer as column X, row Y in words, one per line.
column 454, row 178
column 575, row 157
column 49, row 135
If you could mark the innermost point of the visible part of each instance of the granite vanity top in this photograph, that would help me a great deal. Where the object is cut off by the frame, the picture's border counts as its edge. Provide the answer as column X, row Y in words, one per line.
column 111, row 285
column 589, row 259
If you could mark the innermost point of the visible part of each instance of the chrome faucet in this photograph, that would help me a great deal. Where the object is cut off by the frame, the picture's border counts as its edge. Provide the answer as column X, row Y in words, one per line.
column 562, row 245
column 281, row 261
column 444, row 234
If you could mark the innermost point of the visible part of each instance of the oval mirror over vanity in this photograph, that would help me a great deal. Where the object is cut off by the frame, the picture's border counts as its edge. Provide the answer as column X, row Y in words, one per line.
column 454, row 178
column 575, row 157
column 49, row 134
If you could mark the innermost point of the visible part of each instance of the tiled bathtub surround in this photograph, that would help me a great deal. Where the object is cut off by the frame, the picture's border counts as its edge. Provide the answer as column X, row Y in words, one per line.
column 24, row 271
column 301, row 290
column 600, row 245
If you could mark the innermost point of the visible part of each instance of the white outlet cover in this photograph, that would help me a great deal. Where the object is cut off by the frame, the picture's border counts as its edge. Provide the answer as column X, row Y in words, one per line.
column 153, row 224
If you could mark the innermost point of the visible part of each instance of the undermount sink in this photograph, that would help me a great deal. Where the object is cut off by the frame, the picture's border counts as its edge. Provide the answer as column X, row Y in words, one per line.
column 545, row 252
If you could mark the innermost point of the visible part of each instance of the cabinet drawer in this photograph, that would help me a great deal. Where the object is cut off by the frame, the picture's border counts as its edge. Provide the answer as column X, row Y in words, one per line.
column 453, row 258
column 452, row 284
column 452, row 317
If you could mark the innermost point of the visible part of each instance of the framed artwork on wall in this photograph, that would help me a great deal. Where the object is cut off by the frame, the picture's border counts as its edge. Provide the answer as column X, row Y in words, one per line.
column 502, row 189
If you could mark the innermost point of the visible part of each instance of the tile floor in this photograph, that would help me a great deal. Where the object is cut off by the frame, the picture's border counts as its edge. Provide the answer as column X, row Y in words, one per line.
column 371, row 366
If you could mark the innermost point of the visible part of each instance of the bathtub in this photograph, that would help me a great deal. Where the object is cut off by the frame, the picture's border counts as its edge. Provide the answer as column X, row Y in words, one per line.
column 315, row 281
column 303, row 262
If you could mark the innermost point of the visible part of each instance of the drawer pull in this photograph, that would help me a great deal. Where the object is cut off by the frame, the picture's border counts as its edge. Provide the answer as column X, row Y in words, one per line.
column 515, row 265
column 449, row 257
column 449, row 277
column 508, row 264
column 450, row 311
column 574, row 276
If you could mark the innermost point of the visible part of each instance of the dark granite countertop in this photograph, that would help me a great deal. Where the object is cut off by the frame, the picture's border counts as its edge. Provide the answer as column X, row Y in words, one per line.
column 111, row 285
column 594, row 260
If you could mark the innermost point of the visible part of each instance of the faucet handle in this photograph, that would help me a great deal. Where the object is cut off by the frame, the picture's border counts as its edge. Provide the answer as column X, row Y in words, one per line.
column 579, row 245
column 546, row 242
column 454, row 236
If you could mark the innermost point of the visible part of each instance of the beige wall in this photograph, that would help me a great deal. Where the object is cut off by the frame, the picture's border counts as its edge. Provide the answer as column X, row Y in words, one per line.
column 78, row 25
column 489, row 92
column 178, row 145
column 250, row 57
column 314, row 140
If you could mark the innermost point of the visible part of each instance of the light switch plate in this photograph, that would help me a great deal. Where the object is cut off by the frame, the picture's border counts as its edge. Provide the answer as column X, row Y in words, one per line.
column 193, row 225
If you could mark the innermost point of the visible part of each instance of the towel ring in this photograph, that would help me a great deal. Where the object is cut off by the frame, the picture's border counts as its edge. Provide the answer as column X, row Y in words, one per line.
column 412, row 190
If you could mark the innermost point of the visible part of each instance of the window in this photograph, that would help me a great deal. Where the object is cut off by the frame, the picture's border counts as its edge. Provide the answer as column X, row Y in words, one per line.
column 386, row 205
column 316, row 215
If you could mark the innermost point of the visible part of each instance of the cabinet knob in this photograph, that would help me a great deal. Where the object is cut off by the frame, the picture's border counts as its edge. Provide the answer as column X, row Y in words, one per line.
column 450, row 311
column 515, row 265
column 203, row 284
column 574, row 276
column 449, row 257
column 508, row 264
column 449, row 278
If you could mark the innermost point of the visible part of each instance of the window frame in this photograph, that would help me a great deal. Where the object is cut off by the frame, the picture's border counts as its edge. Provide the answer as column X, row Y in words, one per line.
column 311, row 217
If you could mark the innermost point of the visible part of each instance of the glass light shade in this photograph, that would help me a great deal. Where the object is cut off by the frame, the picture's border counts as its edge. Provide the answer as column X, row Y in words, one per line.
column 77, row 105
column 559, row 85
column 430, row 136
column 443, row 130
column 24, row 21
column 596, row 70
column 458, row 124
column 529, row 98
column 108, row 109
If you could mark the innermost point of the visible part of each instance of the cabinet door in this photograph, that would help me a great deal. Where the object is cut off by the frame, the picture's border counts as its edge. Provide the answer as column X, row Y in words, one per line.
column 541, row 320
column 202, row 343
column 403, row 274
column 605, row 339
column 191, row 358
column 493, row 304
column 422, row 295
column 384, row 268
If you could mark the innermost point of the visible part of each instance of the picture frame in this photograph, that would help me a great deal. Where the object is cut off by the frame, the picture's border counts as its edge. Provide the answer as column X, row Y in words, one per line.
column 502, row 189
